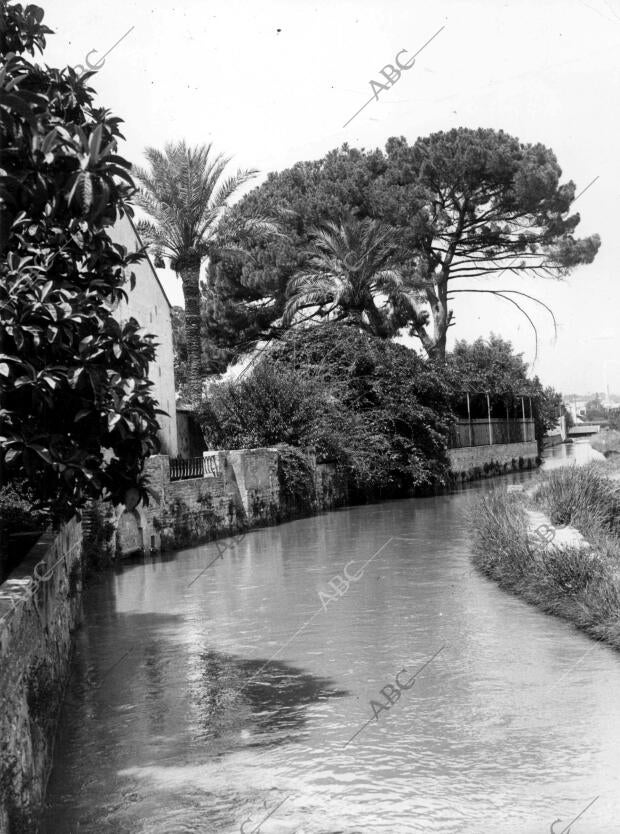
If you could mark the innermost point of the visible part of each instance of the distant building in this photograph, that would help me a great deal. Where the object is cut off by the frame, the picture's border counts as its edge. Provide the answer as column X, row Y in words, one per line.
column 577, row 410
column 149, row 305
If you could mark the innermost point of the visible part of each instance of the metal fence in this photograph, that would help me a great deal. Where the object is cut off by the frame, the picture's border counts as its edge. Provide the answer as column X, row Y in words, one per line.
column 181, row 469
column 207, row 466
column 491, row 432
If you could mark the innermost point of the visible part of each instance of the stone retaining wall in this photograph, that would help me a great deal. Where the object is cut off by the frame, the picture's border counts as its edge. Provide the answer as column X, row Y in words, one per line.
column 241, row 489
column 471, row 461
column 196, row 509
column 39, row 609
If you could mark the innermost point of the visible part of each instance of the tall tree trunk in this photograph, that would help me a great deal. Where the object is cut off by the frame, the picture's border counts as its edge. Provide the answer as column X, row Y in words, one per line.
column 438, row 300
column 438, row 350
column 438, row 297
column 190, row 278
column 434, row 343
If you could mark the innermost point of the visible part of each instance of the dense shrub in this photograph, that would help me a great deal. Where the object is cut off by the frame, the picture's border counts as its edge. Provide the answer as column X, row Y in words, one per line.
column 373, row 406
column 269, row 406
column 98, row 544
column 17, row 516
column 492, row 366
column 77, row 416
column 16, row 513
column 296, row 479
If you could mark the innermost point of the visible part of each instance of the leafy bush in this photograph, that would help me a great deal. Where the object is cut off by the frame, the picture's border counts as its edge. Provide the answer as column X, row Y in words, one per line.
column 269, row 406
column 390, row 410
column 16, row 513
column 77, row 416
column 98, row 544
column 296, row 478
column 17, row 516
column 491, row 365
column 375, row 407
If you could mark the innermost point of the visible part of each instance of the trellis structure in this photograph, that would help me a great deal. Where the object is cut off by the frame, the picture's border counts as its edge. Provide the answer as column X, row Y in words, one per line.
column 489, row 430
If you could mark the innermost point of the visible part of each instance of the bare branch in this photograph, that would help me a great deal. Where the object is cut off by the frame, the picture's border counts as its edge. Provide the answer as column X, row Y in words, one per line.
column 512, row 301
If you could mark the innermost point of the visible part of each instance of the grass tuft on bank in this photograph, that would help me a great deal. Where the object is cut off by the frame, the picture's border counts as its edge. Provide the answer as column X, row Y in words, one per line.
column 582, row 496
column 579, row 584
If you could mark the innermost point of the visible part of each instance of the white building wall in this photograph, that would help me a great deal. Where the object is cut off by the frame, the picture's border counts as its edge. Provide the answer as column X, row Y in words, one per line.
column 148, row 304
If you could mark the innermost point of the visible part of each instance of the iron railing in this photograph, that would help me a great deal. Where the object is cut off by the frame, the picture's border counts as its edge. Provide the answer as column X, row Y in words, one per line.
column 206, row 466
column 183, row 468
column 491, row 432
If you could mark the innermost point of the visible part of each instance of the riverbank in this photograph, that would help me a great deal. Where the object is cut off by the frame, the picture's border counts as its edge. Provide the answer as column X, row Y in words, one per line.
column 575, row 578
column 607, row 442
column 227, row 492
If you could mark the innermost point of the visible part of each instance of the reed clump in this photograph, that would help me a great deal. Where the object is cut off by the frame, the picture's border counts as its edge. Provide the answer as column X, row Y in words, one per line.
column 578, row 582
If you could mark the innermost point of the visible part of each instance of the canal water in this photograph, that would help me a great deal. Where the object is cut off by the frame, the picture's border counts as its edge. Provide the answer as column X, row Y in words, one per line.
column 247, row 698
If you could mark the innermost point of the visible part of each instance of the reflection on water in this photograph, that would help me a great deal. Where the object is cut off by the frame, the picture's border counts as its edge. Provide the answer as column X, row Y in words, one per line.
column 578, row 452
column 203, row 707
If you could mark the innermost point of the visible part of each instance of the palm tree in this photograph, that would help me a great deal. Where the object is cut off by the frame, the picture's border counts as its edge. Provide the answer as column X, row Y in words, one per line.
column 351, row 268
column 186, row 200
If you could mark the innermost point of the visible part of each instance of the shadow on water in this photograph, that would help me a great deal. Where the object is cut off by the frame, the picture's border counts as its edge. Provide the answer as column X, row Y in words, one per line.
column 139, row 667
column 169, row 713
column 275, row 697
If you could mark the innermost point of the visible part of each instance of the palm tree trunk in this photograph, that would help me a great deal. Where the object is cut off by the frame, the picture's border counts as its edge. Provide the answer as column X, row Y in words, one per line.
column 377, row 321
column 190, row 278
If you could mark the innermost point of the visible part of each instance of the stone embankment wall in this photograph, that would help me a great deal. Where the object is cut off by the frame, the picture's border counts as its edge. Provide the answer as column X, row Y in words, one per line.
column 240, row 489
column 198, row 509
column 477, row 461
column 244, row 488
column 39, row 609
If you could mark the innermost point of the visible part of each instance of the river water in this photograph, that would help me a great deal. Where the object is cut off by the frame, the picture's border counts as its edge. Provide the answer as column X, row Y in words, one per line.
column 239, row 700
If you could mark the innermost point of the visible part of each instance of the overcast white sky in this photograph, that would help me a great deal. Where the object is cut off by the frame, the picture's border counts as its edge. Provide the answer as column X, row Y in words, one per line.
column 271, row 82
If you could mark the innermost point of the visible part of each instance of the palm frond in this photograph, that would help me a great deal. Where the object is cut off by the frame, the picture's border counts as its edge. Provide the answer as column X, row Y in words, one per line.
column 155, row 237
column 352, row 262
column 297, row 303
column 232, row 184
column 183, row 194
column 391, row 278
column 310, row 282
